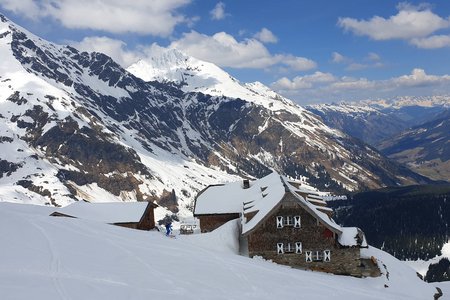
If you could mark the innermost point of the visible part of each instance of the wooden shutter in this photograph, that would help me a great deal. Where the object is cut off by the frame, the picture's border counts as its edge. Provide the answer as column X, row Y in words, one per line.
column 308, row 256
column 327, row 255
column 279, row 222
column 297, row 221
column 280, row 249
column 298, row 247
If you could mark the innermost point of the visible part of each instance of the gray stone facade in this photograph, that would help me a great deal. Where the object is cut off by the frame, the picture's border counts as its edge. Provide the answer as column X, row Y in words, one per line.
column 314, row 237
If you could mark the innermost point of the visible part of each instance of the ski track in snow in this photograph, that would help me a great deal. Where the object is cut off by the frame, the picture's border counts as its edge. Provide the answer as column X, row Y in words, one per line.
column 65, row 258
column 55, row 264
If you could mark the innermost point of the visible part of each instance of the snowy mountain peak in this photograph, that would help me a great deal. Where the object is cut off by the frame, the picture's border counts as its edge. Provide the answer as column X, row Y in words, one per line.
column 195, row 75
column 171, row 58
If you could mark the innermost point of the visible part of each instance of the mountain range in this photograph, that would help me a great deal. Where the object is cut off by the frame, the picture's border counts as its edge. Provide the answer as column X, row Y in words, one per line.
column 77, row 126
column 410, row 130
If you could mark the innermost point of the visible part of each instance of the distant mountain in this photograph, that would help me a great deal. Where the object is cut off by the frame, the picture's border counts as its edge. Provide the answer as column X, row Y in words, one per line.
column 75, row 125
column 374, row 121
column 366, row 123
column 425, row 148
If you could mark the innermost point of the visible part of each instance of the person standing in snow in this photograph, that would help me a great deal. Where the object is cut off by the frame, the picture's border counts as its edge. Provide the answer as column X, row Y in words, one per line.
column 168, row 228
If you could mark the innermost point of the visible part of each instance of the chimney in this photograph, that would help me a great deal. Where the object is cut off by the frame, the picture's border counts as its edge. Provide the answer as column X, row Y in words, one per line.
column 246, row 183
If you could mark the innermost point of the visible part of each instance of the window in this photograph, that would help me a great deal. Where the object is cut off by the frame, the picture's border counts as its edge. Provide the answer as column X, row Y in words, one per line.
column 317, row 256
column 327, row 255
column 288, row 221
column 308, row 256
column 289, row 248
column 279, row 222
column 280, row 249
column 298, row 247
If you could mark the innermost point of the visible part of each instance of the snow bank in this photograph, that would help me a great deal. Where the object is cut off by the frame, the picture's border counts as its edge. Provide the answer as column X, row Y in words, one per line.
column 224, row 239
column 64, row 258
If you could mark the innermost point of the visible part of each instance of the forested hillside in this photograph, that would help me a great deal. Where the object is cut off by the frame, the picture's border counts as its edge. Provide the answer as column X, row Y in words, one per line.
column 408, row 222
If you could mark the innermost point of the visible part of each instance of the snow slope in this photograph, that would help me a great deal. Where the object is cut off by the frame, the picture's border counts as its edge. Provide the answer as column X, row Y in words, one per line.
column 171, row 170
column 63, row 258
column 422, row 266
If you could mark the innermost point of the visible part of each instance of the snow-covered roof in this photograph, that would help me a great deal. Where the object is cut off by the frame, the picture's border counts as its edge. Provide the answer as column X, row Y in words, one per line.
column 264, row 206
column 230, row 197
column 352, row 236
column 112, row 212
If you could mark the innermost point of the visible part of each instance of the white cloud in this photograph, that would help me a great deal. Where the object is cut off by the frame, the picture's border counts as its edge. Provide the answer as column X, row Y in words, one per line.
column 372, row 56
column 156, row 17
column 350, row 83
column 296, row 63
column 337, row 58
column 116, row 49
column 218, row 12
column 432, row 42
column 321, row 87
column 266, row 36
column 303, row 82
column 418, row 78
column 410, row 22
column 225, row 51
column 356, row 67
column 31, row 8
column 221, row 49
column 297, row 83
column 372, row 60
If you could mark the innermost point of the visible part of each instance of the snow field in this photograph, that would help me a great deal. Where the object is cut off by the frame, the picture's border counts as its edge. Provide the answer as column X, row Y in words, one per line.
column 63, row 258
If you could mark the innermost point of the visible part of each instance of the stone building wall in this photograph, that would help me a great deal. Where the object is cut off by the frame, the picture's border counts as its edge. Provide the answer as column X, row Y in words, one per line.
column 313, row 235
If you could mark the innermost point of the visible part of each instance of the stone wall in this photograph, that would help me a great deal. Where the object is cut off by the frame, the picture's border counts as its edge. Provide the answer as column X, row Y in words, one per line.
column 210, row 222
column 313, row 236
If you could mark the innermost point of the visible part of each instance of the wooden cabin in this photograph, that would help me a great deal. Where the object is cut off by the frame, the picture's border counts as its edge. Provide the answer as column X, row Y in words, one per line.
column 286, row 222
column 213, row 210
column 136, row 215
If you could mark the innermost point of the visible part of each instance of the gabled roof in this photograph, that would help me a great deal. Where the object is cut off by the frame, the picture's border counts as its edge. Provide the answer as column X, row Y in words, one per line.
column 111, row 212
column 229, row 197
column 306, row 196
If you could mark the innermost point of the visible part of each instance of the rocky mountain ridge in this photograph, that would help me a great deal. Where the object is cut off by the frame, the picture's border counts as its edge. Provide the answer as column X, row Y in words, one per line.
column 76, row 125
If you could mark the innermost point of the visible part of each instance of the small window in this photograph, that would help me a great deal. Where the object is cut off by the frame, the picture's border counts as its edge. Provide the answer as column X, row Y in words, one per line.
column 327, row 255
column 280, row 249
column 289, row 248
column 288, row 221
column 308, row 256
column 317, row 256
column 298, row 247
column 297, row 223
column 279, row 222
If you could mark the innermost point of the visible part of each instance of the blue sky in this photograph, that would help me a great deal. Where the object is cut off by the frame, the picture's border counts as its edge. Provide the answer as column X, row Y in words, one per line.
column 309, row 51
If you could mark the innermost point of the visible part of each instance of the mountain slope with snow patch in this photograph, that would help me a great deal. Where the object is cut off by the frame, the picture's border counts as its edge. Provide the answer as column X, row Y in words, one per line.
column 85, row 128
